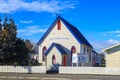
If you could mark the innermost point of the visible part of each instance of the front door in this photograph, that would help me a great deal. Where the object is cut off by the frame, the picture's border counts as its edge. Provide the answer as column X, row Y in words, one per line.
column 64, row 60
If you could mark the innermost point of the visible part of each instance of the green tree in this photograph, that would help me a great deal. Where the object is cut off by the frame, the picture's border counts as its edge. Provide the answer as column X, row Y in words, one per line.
column 22, row 52
column 12, row 49
column 1, row 53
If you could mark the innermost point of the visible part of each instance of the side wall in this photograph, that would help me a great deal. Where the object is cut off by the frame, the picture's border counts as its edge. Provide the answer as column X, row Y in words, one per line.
column 86, row 50
column 63, row 37
column 113, row 59
column 66, row 39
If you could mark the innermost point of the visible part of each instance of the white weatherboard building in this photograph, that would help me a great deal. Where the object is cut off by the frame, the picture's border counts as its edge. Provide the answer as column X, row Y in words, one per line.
column 64, row 45
column 112, row 56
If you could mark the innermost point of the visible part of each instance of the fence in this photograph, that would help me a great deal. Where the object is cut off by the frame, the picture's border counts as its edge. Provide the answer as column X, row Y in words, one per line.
column 23, row 69
column 90, row 70
column 63, row 70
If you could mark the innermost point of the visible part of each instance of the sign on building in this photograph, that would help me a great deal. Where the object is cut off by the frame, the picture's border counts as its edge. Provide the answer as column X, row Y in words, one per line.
column 74, row 58
column 82, row 58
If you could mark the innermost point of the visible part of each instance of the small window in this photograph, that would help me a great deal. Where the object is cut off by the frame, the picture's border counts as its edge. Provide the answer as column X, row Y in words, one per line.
column 84, row 49
column 58, row 25
column 43, row 53
column 73, row 49
column 53, row 59
column 87, row 50
column 90, row 56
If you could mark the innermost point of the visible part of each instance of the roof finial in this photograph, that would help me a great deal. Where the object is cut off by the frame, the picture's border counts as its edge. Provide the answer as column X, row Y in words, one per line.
column 58, row 14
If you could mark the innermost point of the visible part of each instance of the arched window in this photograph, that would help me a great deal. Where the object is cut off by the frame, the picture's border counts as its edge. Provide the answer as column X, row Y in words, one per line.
column 73, row 49
column 53, row 59
column 58, row 25
column 43, row 53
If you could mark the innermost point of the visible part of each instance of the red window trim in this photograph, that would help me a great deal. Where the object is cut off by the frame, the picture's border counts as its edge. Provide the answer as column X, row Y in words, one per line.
column 58, row 25
column 64, row 60
column 53, row 59
column 43, row 54
column 73, row 49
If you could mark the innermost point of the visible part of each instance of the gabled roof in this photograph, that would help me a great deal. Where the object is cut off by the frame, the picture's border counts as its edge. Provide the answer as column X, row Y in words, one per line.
column 111, row 47
column 95, row 52
column 58, row 47
column 76, row 33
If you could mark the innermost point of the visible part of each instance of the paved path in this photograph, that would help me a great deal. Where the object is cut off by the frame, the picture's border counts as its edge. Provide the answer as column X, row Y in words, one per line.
column 13, row 76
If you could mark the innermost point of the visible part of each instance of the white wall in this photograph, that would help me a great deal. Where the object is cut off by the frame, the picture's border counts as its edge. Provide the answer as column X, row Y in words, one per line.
column 90, row 70
column 58, row 56
column 23, row 69
column 63, row 37
column 66, row 39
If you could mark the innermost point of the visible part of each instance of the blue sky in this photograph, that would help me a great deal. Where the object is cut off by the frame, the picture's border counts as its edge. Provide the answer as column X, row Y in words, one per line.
column 97, row 20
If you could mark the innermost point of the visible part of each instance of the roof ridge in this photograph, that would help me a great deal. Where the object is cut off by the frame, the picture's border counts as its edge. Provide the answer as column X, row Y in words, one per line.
column 58, row 46
column 111, row 47
column 78, row 35
column 76, row 29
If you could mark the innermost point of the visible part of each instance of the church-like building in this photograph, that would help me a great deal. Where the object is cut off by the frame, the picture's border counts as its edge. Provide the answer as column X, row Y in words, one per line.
column 64, row 45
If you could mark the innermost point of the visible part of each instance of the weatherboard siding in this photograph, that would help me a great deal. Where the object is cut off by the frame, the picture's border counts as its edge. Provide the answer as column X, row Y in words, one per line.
column 89, row 53
column 58, row 56
column 113, row 59
column 63, row 36
column 68, row 36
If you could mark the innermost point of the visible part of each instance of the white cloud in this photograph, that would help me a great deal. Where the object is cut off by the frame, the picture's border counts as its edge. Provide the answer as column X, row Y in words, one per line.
column 99, row 45
column 112, row 42
column 53, row 6
column 115, row 33
column 31, row 30
column 118, row 35
column 26, row 22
